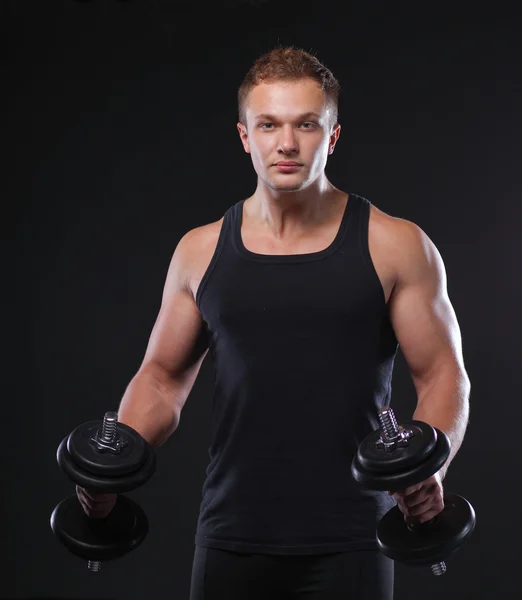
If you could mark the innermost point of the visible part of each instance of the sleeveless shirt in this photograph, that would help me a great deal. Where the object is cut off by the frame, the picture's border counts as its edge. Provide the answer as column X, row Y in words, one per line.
column 303, row 353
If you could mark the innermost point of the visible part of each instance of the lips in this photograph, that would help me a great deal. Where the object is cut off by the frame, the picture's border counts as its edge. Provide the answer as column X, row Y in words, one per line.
column 288, row 168
column 288, row 164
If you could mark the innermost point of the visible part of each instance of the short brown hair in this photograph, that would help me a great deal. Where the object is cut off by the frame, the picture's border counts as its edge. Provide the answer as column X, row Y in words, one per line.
column 288, row 64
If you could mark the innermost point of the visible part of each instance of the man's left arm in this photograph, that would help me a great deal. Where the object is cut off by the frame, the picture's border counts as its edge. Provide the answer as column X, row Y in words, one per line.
column 429, row 336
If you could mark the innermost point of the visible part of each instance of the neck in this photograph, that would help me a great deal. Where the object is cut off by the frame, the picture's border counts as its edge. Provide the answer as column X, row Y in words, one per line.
column 288, row 214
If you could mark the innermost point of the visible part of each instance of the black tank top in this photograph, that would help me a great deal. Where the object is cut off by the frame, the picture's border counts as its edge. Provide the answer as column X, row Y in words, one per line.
column 303, row 352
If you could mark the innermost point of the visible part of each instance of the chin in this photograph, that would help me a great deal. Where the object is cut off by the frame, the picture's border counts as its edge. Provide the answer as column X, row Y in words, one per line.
column 290, row 186
column 287, row 188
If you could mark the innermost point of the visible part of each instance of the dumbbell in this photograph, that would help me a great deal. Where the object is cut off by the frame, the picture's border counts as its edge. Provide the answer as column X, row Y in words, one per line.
column 106, row 456
column 395, row 457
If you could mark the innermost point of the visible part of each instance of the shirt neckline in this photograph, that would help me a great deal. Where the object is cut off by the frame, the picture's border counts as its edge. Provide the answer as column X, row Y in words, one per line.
column 290, row 258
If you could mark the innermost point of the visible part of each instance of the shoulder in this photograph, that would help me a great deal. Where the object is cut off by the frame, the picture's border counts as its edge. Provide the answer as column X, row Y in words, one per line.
column 409, row 248
column 202, row 235
column 195, row 249
column 200, row 242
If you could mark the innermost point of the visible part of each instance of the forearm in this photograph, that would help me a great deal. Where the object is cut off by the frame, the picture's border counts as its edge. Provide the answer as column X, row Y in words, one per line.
column 149, row 407
column 444, row 404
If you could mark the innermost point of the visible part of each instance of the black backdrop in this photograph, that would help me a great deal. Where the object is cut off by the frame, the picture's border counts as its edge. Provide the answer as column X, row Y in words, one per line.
column 120, row 136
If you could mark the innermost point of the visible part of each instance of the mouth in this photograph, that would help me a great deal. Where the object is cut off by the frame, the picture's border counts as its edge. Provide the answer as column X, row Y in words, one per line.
column 287, row 167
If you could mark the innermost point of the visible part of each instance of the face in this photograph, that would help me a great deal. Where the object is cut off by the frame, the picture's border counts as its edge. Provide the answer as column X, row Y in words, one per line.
column 289, row 121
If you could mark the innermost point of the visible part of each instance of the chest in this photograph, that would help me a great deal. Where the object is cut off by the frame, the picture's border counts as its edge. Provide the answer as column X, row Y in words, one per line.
column 321, row 239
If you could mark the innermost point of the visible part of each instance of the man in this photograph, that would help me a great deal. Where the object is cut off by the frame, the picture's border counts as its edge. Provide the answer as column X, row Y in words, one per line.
column 303, row 293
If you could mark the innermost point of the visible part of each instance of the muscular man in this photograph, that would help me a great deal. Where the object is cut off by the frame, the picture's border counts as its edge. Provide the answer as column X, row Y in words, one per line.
column 302, row 293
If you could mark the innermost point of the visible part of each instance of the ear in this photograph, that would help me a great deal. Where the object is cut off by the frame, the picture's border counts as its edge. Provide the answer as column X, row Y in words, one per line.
column 334, row 136
column 243, row 134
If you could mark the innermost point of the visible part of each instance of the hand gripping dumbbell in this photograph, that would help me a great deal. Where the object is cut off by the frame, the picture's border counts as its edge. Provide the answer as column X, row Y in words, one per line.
column 106, row 456
column 396, row 457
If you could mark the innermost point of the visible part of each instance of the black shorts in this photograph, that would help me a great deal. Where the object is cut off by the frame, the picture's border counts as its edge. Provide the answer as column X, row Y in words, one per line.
column 225, row 575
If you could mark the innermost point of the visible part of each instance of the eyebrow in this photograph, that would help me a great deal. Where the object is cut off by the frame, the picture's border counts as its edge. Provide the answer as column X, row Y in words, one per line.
column 299, row 118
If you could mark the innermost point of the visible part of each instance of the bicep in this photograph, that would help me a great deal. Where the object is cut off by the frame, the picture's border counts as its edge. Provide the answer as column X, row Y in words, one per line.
column 421, row 312
column 178, row 342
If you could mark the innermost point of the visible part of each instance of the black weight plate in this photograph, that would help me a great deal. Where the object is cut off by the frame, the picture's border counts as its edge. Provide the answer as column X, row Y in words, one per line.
column 122, row 483
column 106, row 463
column 427, row 543
column 375, row 480
column 99, row 539
column 420, row 446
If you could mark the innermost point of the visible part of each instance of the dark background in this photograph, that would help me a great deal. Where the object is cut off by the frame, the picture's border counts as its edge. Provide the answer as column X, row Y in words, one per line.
column 120, row 131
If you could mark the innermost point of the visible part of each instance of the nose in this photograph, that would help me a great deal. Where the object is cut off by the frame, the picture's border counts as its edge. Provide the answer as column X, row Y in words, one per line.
column 288, row 140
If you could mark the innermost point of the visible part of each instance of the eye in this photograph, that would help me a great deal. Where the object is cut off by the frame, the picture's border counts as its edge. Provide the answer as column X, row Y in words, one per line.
column 307, row 125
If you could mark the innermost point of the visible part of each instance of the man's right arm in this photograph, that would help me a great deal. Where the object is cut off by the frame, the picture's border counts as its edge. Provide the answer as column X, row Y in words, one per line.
column 178, row 344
